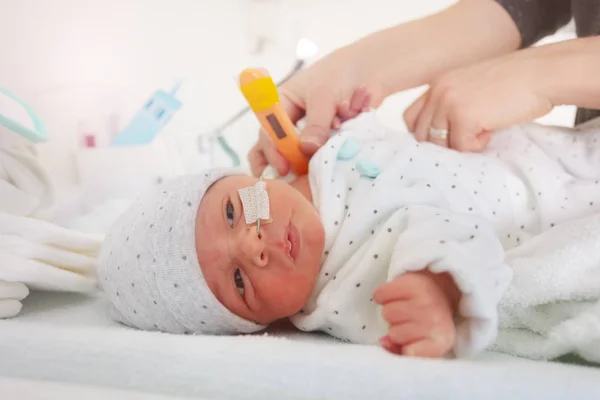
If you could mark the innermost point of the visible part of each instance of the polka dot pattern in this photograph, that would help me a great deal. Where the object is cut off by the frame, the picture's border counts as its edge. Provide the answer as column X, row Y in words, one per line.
column 447, row 200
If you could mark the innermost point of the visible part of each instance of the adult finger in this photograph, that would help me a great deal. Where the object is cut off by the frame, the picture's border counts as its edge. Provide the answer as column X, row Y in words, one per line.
column 274, row 157
column 292, row 104
column 424, row 119
column 439, row 128
column 483, row 139
column 320, row 110
column 412, row 112
column 264, row 153
column 464, row 136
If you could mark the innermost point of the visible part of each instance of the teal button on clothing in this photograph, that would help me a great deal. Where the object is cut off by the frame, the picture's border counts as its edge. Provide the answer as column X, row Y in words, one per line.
column 368, row 169
column 349, row 149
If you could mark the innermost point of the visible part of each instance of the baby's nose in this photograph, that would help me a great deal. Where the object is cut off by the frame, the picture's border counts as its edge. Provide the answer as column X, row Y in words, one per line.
column 251, row 248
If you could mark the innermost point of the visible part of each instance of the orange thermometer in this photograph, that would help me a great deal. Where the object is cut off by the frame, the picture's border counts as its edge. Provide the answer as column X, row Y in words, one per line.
column 261, row 94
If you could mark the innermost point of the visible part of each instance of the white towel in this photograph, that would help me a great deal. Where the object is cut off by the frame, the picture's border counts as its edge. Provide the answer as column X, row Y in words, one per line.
column 35, row 254
column 11, row 294
column 46, row 256
column 553, row 305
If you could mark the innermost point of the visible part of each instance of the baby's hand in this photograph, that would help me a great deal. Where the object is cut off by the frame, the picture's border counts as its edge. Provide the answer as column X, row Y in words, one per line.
column 359, row 103
column 419, row 306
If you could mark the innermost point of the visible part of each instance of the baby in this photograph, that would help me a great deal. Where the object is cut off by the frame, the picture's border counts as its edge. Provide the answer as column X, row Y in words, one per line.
column 386, row 240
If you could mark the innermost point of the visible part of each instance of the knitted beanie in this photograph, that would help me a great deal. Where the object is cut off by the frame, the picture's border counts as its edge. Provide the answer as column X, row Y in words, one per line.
column 148, row 266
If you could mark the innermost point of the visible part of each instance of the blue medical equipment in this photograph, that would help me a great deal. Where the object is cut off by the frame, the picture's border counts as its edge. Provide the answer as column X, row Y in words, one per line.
column 149, row 121
column 17, row 116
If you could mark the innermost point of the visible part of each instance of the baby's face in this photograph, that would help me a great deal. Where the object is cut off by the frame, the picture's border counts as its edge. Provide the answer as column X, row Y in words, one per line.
column 261, row 277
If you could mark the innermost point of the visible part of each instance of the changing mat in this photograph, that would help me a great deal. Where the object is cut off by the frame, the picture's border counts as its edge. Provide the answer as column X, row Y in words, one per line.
column 68, row 338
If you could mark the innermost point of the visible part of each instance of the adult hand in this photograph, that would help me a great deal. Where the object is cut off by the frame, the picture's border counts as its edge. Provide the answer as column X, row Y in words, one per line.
column 329, row 92
column 471, row 102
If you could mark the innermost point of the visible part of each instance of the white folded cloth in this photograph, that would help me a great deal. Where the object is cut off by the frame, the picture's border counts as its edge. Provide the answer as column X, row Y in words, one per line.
column 11, row 294
column 34, row 253
column 552, row 307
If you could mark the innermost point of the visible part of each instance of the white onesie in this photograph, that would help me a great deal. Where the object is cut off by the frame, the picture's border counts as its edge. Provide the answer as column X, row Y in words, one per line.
column 390, row 204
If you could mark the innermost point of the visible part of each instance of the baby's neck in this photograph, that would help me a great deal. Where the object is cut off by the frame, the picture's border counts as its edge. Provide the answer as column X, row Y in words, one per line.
column 302, row 185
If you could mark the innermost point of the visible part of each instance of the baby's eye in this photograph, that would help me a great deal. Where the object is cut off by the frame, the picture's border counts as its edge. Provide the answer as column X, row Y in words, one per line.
column 229, row 213
column 239, row 282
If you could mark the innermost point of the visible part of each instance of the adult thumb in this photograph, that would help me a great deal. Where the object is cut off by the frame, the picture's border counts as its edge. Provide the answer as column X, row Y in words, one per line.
column 320, row 111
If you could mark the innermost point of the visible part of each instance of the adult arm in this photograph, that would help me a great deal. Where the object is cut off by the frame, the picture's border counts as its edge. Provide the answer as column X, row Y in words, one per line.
column 386, row 62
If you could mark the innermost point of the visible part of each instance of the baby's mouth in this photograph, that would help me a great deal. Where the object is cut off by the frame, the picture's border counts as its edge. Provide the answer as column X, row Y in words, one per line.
column 292, row 241
column 289, row 244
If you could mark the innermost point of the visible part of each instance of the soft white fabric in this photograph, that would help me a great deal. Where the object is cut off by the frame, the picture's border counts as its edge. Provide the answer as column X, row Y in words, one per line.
column 149, row 268
column 45, row 256
column 32, row 389
column 11, row 295
column 553, row 304
column 69, row 338
column 35, row 254
column 419, row 205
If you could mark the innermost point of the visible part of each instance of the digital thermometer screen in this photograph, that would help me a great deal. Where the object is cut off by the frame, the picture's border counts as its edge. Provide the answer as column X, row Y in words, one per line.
column 274, row 122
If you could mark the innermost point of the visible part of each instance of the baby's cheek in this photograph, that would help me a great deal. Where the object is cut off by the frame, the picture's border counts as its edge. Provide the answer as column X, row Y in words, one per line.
column 314, row 235
column 286, row 294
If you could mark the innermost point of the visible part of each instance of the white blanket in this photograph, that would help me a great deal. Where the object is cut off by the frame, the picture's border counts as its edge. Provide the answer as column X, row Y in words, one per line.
column 35, row 254
column 553, row 304
column 69, row 338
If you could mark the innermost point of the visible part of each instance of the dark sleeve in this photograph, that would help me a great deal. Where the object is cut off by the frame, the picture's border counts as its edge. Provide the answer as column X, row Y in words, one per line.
column 536, row 19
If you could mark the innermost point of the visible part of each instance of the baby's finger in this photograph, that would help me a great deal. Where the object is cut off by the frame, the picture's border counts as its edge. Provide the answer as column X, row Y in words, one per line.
column 411, row 114
column 343, row 111
column 357, row 103
column 366, row 103
column 407, row 333
column 388, row 345
column 398, row 289
column 399, row 312
column 427, row 348
column 336, row 123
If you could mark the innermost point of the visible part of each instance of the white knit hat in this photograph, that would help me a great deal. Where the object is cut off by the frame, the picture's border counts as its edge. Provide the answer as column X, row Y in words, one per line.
column 148, row 267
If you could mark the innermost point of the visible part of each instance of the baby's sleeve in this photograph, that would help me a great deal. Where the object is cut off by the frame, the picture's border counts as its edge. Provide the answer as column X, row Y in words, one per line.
column 467, row 247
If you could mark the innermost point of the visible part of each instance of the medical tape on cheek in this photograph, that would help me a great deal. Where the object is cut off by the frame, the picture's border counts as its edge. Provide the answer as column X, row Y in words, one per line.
column 255, row 202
